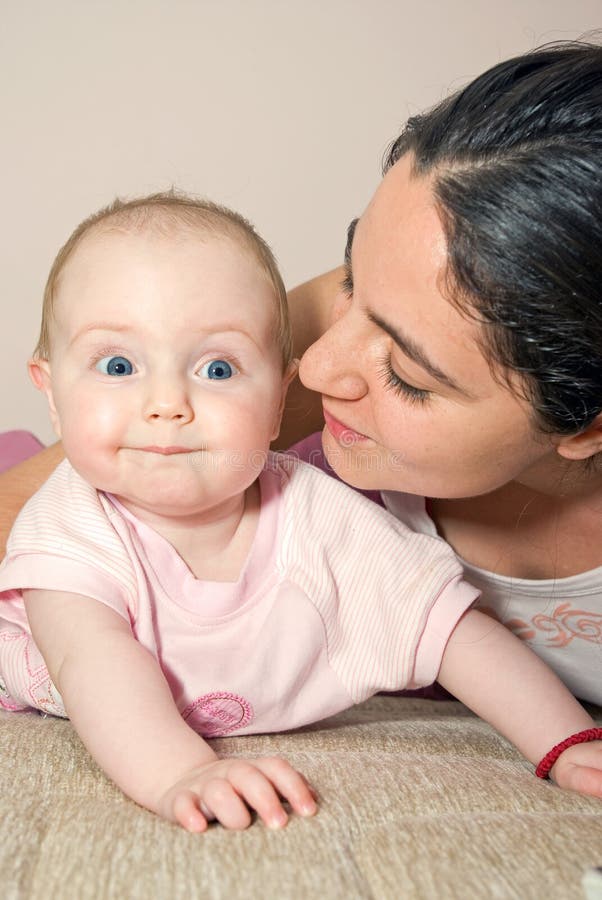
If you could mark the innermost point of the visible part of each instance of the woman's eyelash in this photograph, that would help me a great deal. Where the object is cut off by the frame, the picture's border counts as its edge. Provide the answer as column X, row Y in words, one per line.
column 399, row 386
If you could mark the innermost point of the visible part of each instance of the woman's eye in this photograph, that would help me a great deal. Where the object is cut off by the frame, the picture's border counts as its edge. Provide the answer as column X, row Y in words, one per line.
column 114, row 365
column 217, row 370
column 399, row 386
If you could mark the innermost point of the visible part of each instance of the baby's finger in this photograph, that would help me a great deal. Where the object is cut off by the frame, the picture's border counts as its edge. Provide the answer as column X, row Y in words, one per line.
column 224, row 802
column 290, row 784
column 259, row 793
column 186, row 812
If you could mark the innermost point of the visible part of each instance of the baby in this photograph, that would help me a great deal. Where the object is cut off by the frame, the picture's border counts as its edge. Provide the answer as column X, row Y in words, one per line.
column 174, row 581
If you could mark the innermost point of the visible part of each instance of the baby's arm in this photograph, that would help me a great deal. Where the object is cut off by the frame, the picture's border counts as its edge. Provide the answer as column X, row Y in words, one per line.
column 504, row 682
column 121, row 706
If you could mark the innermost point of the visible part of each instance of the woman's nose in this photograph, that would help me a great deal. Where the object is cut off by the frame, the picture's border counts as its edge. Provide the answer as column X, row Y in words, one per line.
column 168, row 399
column 332, row 365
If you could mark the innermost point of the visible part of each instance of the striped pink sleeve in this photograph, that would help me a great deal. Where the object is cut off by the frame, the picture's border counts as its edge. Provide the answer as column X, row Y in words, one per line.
column 388, row 597
column 63, row 540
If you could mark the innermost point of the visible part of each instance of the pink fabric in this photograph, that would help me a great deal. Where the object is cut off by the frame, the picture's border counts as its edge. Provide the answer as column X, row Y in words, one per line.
column 559, row 618
column 336, row 601
column 310, row 450
column 15, row 446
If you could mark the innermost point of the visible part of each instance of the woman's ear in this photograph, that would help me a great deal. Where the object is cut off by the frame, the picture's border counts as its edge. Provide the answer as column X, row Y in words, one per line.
column 583, row 445
column 289, row 375
column 39, row 372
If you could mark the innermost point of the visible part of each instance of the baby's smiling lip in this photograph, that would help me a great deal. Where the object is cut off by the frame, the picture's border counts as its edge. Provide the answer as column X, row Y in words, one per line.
column 165, row 451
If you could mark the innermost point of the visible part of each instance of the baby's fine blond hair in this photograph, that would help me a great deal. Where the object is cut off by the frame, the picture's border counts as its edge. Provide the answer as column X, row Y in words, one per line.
column 166, row 212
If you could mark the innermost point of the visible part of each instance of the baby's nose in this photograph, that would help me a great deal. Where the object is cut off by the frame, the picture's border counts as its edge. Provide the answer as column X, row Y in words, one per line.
column 168, row 400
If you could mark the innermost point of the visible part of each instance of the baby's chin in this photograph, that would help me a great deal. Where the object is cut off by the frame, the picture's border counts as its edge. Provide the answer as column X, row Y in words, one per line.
column 187, row 502
column 174, row 486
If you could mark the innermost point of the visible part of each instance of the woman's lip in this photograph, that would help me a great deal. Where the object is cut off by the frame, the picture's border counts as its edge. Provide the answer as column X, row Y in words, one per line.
column 342, row 433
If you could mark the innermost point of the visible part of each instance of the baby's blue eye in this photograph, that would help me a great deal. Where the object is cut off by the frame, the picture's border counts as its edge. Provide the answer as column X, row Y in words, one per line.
column 217, row 370
column 114, row 365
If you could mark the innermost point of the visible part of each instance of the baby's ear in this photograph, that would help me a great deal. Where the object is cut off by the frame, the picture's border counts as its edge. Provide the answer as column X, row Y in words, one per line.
column 39, row 372
column 290, row 374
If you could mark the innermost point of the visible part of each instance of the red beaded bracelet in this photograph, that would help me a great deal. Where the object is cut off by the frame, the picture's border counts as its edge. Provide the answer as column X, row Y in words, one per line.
column 582, row 737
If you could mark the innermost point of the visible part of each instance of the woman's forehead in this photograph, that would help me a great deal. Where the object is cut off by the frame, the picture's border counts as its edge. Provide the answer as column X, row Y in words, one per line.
column 399, row 253
column 403, row 222
column 399, row 264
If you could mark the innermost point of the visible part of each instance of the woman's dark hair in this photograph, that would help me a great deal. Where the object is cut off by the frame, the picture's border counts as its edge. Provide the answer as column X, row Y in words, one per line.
column 516, row 164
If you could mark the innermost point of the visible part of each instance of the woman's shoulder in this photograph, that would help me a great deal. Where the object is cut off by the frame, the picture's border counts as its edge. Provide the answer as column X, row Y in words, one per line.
column 411, row 509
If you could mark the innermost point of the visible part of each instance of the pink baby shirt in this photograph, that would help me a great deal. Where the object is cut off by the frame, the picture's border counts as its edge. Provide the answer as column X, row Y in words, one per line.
column 560, row 619
column 336, row 601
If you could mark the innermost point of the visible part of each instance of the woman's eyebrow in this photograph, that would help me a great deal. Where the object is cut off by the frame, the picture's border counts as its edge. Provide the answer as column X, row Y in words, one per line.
column 348, row 245
column 413, row 351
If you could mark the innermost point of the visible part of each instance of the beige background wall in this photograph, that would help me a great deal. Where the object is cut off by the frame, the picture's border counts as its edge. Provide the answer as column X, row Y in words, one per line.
column 281, row 109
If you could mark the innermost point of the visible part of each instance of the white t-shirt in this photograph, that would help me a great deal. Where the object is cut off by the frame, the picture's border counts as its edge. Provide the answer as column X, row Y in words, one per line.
column 337, row 600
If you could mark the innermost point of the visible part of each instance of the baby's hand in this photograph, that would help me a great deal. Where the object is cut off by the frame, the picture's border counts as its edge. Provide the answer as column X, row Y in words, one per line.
column 226, row 789
column 579, row 768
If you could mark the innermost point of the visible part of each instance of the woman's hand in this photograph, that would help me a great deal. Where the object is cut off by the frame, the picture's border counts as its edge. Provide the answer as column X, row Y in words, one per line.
column 227, row 789
column 579, row 769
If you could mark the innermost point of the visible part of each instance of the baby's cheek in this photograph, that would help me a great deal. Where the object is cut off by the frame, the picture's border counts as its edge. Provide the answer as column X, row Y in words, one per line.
column 105, row 422
column 91, row 428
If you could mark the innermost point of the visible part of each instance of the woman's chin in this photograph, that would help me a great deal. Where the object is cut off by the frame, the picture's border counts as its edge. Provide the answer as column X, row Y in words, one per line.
column 358, row 468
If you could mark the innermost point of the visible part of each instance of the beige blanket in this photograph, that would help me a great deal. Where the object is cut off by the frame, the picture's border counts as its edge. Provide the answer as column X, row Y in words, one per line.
column 419, row 799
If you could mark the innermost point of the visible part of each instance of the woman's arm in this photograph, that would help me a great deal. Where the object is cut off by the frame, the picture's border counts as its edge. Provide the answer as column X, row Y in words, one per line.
column 310, row 307
column 18, row 483
column 504, row 682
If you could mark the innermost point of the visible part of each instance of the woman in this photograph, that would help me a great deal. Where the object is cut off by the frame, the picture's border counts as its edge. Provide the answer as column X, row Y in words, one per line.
column 464, row 362
column 464, row 358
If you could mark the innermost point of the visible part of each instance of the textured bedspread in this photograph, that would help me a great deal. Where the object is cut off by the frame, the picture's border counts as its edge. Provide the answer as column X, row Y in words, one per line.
column 419, row 799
